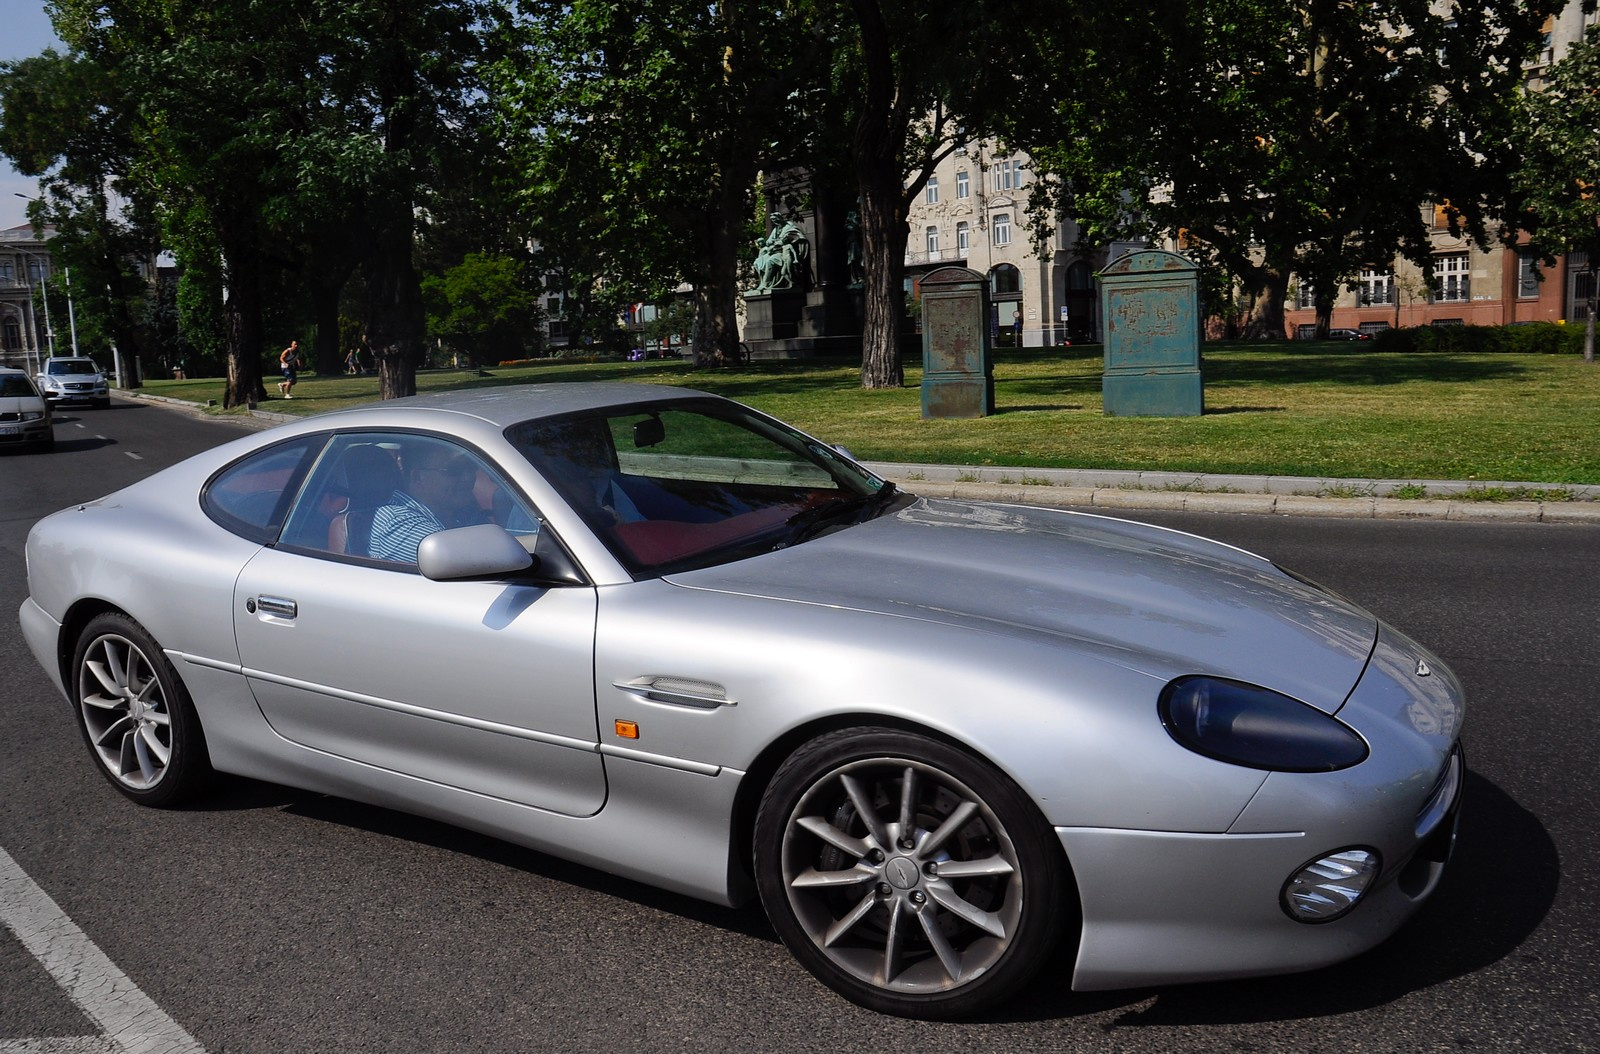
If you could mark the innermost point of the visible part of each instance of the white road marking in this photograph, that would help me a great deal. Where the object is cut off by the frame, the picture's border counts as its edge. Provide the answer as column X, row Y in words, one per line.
column 130, row 1022
column 131, row 454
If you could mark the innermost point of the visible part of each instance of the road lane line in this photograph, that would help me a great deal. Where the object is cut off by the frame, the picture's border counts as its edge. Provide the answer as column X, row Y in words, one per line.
column 130, row 1021
column 131, row 454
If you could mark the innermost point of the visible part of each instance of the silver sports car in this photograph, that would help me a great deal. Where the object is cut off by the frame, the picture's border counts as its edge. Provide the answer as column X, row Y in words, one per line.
column 664, row 635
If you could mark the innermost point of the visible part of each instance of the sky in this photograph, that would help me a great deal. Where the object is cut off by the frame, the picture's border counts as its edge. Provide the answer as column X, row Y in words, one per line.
column 24, row 31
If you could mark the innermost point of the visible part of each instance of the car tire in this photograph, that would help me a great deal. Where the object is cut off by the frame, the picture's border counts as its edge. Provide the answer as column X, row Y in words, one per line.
column 135, row 714
column 931, row 904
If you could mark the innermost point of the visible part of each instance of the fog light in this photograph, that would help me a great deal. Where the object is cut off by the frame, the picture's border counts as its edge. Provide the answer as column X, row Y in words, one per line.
column 1329, row 887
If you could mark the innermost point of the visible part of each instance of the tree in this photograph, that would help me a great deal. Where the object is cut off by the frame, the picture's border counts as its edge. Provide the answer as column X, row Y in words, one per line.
column 638, row 129
column 483, row 305
column 1274, row 139
column 61, row 121
column 1560, row 171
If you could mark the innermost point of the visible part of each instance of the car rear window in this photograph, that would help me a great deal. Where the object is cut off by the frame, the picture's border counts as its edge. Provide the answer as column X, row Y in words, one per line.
column 250, row 497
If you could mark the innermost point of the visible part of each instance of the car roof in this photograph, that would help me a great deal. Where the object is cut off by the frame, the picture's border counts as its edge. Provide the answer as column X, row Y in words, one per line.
column 506, row 406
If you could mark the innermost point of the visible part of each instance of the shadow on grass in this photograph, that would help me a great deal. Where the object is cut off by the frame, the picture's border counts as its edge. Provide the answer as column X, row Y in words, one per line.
column 1356, row 369
column 1219, row 411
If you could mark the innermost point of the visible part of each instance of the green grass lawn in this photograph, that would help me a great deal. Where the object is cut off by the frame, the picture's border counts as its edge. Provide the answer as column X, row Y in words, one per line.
column 1290, row 409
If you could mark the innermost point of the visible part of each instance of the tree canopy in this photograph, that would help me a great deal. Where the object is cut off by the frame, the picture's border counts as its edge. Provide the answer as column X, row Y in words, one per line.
column 1280, row 139
column 1559, row 177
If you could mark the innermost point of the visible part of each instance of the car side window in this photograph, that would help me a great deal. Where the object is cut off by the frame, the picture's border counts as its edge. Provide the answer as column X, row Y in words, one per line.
column 250, row 496
column 376, row 495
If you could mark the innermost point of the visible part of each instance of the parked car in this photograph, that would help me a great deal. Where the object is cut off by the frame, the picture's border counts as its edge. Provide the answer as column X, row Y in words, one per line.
column 1348, row 334
column 24, row 415
column 667, row 636
column 74, row 379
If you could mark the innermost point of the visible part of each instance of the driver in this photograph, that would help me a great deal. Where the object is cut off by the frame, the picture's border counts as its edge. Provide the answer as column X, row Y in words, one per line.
column 436, row 493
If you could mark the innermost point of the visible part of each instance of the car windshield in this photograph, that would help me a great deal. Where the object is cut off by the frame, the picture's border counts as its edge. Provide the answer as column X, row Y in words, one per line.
column 675, row 485
column 71, row 366
column 15, row 386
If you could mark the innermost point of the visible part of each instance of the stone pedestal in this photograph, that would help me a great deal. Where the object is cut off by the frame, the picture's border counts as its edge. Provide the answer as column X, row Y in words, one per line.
column 773, row 316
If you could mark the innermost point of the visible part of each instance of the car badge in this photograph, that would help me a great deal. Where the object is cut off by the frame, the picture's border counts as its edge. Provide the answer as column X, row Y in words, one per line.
column 1423, row 669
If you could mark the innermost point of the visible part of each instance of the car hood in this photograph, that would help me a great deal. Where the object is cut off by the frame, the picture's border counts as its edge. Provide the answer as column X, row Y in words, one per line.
column 13, row 404
column 1159, row 601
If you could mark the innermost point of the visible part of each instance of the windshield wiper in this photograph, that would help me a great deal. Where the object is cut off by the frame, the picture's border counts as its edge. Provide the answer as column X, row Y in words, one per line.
column 838, row 512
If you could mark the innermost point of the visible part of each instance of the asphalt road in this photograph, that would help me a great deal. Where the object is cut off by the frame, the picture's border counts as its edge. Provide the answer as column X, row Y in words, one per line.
column 274, row 920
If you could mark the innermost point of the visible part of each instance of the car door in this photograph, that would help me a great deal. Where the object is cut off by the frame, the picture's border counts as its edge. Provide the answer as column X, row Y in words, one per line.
column 484, row 686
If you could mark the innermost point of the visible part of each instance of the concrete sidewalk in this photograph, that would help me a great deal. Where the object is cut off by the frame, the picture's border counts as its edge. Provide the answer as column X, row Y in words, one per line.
column 1191, row 492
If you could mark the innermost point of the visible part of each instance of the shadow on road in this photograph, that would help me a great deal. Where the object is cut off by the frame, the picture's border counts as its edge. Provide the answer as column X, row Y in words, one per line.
column 1499, row 886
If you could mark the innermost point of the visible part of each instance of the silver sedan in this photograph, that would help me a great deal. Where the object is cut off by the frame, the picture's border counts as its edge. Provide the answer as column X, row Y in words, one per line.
column 664, row 635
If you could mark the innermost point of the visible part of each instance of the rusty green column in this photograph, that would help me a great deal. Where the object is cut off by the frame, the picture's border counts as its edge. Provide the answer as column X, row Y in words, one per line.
column 1150, row 301
column 957, row 374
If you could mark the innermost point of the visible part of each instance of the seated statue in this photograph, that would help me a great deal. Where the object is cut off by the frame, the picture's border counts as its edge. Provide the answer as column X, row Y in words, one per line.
column 782, row 257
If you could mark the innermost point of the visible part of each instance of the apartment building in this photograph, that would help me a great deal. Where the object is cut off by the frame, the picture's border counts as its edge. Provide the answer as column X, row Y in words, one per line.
column 1494, row 287
column 24, row 331
column 973, row 213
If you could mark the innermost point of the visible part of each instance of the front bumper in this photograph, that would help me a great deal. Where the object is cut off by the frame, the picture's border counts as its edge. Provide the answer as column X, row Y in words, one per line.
column 17, row 432
column 83, row 394
column 1162, row 907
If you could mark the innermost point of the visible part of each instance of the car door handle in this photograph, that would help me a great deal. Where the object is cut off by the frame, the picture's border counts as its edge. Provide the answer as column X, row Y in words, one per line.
column 278, row 607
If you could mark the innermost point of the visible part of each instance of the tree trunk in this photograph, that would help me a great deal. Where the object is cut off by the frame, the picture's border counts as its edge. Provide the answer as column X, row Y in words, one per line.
column 395, row 321
column 883, row 250
column 880, row 136
column 242, row 324
column 1268, row 288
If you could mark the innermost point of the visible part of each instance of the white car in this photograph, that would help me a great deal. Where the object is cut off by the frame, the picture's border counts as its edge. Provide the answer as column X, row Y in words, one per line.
column 74, row 379
column 24, row 415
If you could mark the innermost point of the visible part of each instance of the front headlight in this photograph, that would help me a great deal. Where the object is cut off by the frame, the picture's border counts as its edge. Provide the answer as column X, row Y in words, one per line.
column 32, row 415
column 1258, row 728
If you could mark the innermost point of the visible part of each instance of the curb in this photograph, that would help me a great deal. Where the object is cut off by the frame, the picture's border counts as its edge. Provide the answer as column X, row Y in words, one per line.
column 1259, row 495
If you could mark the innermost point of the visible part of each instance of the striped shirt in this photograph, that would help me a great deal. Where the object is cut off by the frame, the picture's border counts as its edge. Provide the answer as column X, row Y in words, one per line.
column 399, row 527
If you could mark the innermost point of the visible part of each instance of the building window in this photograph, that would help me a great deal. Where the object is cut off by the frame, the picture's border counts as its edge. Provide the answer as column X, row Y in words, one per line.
column 963, row 184
column 1005, row 278
column 930, row 193
column 933, row 240
column 1450, row 278
column 963, row 237
column 1527, row 274
column 1007, row 175
column 35, row 271
column 1305, row 296
column 1377, row 287
column 1002, row 228
column 8, row 272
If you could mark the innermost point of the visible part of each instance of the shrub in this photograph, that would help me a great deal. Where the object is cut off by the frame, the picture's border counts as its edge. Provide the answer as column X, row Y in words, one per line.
column 1532, row 338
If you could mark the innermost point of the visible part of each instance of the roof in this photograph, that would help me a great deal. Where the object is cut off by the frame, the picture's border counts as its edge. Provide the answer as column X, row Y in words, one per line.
column 511, row 404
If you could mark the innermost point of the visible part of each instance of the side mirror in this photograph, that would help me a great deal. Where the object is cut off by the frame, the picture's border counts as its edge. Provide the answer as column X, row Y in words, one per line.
column 471, row 552
column 648, row 432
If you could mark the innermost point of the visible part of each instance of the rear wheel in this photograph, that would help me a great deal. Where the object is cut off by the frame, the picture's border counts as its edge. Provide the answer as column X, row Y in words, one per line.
column 906, row 874
column 136, row 715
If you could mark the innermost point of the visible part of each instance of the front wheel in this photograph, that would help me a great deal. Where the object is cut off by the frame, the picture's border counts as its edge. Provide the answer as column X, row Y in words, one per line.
column 135, row 715
column 906, row 874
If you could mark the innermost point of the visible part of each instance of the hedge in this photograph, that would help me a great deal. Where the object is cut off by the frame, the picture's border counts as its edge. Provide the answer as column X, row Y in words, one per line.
column 1532, row 338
